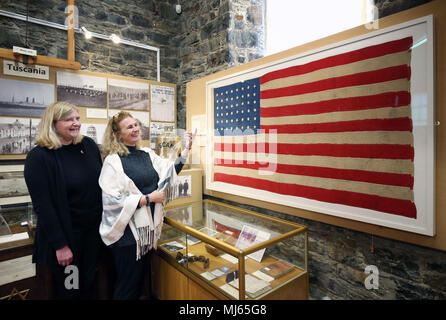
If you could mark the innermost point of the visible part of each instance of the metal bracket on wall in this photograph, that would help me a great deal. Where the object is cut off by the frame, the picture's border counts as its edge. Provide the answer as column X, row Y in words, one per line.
column 78, row 30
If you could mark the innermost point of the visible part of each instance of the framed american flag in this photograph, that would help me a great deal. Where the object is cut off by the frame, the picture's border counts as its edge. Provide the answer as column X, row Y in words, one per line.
column 345, row 130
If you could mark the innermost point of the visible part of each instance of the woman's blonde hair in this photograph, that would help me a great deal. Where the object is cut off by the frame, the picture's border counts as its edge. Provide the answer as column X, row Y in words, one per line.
column 111, row 143
column 47, row 136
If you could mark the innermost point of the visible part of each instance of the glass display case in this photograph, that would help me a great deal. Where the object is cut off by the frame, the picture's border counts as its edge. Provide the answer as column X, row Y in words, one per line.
column 239, row 253
column 17, row 224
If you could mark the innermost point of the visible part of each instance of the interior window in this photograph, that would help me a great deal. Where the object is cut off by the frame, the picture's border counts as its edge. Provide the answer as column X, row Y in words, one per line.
column 294, row 22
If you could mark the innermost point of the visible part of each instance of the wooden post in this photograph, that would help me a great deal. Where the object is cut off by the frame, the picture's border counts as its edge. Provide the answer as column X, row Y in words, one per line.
column 71, row 21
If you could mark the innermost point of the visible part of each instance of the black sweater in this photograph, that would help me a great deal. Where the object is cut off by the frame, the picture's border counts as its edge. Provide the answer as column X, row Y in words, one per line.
column 64, row 189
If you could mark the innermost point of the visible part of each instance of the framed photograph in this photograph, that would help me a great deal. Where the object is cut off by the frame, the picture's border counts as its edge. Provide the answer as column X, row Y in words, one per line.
column 162, row 103
column 82, row 90
column 182, row 187
column 17, row 135
column 345, row 130
column 24, row 98
column 123, row 94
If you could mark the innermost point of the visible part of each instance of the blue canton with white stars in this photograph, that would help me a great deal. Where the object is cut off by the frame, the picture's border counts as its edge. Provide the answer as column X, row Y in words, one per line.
column 237, row 108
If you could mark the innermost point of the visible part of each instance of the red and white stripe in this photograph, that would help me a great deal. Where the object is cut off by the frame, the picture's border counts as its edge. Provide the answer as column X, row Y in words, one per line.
column 336, row 130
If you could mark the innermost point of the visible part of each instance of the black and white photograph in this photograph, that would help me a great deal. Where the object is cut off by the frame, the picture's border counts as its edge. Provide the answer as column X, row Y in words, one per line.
column 157, row 129
column 12, row 182
column 162, row 100
column 142, row 117
column 82, row 90
column 17, row 135
column 95, row 131
column 127, row 95
column 182, row 187
column 24, row 98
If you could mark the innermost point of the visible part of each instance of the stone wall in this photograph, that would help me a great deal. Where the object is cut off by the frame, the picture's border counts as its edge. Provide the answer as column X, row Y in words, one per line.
column 207, row 37
column 388, row 7
column 216, row 35
column 146, row 22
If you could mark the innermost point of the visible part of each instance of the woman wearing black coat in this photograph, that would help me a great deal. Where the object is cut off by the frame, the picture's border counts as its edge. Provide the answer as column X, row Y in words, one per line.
column 62, row 173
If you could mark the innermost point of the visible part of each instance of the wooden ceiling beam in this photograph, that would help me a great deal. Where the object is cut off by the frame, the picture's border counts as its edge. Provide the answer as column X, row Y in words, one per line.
column 42, row 60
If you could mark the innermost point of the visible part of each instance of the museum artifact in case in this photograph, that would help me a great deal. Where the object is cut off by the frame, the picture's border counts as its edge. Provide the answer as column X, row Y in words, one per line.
column 232, row 253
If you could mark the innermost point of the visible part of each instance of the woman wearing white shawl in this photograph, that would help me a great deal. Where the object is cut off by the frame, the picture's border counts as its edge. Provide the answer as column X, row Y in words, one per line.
column 133, row 180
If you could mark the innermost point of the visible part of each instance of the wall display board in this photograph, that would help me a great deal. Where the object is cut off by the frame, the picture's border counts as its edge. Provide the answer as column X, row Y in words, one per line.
column 345, row 130
column 98, row 96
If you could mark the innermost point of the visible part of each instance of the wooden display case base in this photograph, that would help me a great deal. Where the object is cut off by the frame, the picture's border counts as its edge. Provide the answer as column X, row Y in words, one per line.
column 171, row 281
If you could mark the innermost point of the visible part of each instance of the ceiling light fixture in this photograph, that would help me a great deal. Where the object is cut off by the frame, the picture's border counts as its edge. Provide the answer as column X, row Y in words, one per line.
column 86, row 33
column 116, row 39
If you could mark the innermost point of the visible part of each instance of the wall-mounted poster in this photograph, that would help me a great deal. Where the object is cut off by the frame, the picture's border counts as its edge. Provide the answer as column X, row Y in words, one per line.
column 24, row 98
column 162, row 103
column 94, row 130
column 82, row 90
column 159, row 128
column 123, row 94
column 345, row 130
column 143, row 118
column 17, row 135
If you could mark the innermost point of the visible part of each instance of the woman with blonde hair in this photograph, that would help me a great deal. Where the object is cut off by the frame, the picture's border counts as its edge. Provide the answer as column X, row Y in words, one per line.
column 62, row 173
column 133, row 180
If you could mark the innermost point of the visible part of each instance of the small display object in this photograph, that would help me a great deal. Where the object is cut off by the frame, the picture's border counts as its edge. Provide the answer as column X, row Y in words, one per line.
column 240, row 253
column 173, row 246
column 277, row 269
